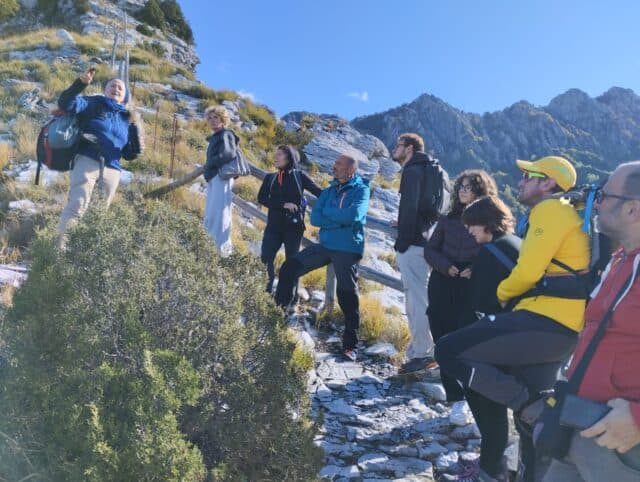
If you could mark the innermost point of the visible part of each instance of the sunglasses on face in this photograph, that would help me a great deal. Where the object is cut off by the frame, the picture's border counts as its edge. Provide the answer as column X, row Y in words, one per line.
column 465, row 188
column 528, row 175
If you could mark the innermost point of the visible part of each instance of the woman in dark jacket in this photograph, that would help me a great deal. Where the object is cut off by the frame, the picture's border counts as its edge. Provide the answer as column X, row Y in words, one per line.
column 450, row 251
column 491, row 223
column 282, row 193
column 109, row 134
column 223, row 144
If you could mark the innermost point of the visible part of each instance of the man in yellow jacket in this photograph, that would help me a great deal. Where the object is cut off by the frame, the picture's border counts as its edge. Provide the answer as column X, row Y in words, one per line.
column 513, row 356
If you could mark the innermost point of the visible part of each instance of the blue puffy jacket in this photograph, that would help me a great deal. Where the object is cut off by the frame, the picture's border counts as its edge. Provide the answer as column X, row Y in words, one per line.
column 341, row 213
column 103, row 117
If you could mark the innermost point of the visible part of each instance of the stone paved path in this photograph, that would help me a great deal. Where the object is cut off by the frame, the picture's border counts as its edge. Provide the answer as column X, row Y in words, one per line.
column 378, row 426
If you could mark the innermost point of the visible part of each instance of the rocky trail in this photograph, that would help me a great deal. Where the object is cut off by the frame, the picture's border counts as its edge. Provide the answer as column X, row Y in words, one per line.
column 375, row 425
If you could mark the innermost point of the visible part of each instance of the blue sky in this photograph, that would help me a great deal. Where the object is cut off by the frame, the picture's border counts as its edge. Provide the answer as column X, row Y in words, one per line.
column 357, row 57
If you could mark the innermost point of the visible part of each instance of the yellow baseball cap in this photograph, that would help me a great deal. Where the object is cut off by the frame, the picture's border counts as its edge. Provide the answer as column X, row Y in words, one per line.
column 555, row 167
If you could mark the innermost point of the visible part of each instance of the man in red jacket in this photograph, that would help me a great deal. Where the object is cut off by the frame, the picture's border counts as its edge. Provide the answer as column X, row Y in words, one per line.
column 610, row 449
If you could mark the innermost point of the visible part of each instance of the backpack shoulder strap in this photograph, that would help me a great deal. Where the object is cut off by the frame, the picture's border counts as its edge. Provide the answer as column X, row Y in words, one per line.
column 296, row 174
column 500, row 255
column 273, row 175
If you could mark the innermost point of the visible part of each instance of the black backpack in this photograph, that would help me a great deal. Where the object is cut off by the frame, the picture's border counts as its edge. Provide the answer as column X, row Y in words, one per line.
column 436, row 182
column 56, row 159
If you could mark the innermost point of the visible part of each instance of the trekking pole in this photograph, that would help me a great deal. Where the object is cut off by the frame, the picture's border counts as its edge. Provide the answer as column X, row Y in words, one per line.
column 155, row 131
column 174, row 140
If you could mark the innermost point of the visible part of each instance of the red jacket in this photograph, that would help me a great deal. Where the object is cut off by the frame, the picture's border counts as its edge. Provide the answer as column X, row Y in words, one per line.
column 614, row 371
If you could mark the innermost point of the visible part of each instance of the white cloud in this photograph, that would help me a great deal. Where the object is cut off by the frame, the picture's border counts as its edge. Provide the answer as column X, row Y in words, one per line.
column 361, row 96
column 247, row 95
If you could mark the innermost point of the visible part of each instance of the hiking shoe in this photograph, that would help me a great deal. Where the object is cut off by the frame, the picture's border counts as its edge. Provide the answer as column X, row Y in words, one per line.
column 416, row 365
column 460, row 414
column 350, row 354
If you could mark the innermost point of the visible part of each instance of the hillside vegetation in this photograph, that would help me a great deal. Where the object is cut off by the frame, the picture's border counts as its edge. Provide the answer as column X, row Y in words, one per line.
column 160, row 369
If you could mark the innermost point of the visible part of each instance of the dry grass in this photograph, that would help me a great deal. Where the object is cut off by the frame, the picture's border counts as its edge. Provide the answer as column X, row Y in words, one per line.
column 5, row 154
column 366, row 286
column 46, row 38
column 390, row 259
column 247, row 188
column 377, row 323
column 25, row 133
column 6, row 296
column 385, row 183
column 315, row 279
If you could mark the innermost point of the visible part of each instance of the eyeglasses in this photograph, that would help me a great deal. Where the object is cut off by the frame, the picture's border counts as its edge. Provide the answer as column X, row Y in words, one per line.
column 527, row 175
column 465, row 187
column 601, row 195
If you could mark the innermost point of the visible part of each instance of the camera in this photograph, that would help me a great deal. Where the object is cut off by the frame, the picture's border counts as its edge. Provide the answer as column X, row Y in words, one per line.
column 297, row 217
column 580, row 195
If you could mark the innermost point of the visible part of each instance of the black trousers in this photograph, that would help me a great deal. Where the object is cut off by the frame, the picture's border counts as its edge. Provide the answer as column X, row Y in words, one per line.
column 449, row 310
column 509, row 357
column 346, row 267
column 272, row 240
column 493, row 423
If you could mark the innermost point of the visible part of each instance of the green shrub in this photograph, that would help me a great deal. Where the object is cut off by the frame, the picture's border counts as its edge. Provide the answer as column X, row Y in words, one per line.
column 8, row 8
column 144, row 29
column 152, row 14
column 139, row 354
column 176, row 20
column 155, row 48
column 297, row 139
column 166, row 15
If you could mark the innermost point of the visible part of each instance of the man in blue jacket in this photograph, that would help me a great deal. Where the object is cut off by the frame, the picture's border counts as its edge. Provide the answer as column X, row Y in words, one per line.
column 340, row 213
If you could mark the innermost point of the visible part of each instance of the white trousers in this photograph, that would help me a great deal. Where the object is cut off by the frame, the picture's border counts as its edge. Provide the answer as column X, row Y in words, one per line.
column 217, row 213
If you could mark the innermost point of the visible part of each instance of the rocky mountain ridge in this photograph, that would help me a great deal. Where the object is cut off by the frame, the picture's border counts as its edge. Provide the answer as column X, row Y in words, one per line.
column 596, row 133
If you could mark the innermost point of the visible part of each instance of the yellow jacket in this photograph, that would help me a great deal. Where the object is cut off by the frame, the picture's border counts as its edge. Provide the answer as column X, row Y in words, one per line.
column 555, row 231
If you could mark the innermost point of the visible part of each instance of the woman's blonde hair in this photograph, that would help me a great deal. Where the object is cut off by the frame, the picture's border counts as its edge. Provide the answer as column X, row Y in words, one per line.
column 220, row 112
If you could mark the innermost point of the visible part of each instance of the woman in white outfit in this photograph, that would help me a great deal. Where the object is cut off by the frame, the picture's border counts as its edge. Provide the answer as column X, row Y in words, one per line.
column 223, row 145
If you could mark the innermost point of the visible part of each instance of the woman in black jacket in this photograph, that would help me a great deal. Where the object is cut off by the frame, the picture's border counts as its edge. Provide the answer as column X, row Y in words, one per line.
column 450, row 252
column 282, row 193
column 491, row 223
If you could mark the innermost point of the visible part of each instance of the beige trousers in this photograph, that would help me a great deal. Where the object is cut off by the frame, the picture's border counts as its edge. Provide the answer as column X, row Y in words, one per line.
column 415, row 271
column 84, row 176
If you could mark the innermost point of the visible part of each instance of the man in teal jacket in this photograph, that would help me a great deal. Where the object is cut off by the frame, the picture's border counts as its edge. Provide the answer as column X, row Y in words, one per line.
column 340, row 213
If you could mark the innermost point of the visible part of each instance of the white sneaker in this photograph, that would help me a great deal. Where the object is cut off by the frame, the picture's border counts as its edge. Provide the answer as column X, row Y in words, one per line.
column 460, row 414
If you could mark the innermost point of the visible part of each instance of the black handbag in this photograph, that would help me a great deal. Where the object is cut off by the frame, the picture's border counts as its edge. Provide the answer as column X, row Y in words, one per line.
column 553, row 439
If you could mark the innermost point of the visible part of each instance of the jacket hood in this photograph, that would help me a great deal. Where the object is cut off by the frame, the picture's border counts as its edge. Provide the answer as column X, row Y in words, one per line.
column 294, row 155
column 356, row 180
column 112, row 104
column 221, row 132
column 418, row 158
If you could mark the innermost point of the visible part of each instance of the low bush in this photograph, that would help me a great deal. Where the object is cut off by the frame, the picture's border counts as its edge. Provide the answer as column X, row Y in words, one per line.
column 139, row 354
column 144, row 29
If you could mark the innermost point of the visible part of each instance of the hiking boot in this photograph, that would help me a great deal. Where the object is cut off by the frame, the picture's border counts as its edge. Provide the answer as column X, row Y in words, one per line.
column 350, row 354
column 416, row 365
